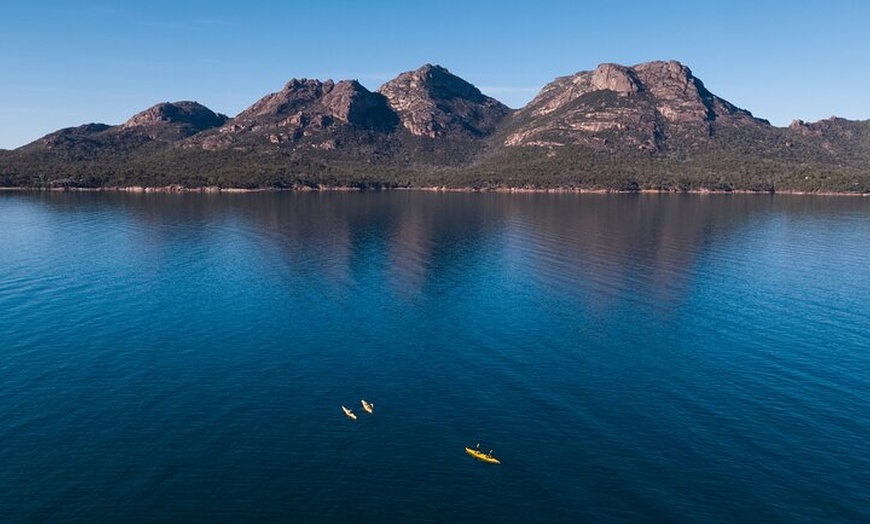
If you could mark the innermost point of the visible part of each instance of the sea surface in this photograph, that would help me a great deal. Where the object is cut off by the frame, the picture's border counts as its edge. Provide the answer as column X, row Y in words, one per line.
column 628, row 358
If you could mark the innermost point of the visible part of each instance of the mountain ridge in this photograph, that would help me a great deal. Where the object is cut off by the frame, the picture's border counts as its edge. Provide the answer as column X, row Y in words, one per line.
column 652, row 125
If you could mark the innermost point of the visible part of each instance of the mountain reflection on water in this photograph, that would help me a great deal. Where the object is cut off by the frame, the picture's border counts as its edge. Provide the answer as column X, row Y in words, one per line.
column 616, row 242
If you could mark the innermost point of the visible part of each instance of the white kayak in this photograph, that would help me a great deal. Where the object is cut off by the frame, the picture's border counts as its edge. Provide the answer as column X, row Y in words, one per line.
column 348, row 412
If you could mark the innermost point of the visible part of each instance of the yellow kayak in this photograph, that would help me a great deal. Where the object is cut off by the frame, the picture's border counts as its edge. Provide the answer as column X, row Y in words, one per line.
column 348, row 412
column 480, row 455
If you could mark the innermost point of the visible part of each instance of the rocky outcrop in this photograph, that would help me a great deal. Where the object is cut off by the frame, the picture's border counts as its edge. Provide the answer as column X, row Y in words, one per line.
column 307, row 108
column 304, row 100
column 683, row 99
column 297, row 95
column 617, row 78
column 830, row 127
column 434, row 103
column 640, row 106
column 428, row 102
column 590, row 109
column 352, row 103
column 163, row 123
column 186, row 117
column 842, row 138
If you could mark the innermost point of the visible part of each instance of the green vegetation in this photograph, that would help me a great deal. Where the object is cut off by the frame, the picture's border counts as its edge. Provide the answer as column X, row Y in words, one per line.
column 732, row 159
column 566, row 167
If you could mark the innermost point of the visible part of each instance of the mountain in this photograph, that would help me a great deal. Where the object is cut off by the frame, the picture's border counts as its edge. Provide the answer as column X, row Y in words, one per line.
column 302, row 109
column 429, row 102
column 654, row 107
column 161, row 124
column 657, row 126
column 648, row 126
column 171, row 121
column 837, row 136
column 434, row 103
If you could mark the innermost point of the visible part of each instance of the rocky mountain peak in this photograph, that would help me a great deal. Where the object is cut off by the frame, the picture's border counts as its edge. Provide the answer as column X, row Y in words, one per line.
column 682, row 97
column 306, row 109
column 342, row 98
column 850, row 134
column 833, row 121
column 614, row 77
column 441, row 84
column 350, row 102
column 163, row 123
column 666, row 73
column 807, row 128
column 297, row 94
column 640, row 106
column 191, row 116
column 433, row 102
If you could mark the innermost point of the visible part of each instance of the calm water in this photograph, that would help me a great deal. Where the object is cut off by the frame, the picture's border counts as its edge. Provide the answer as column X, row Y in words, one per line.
column 629, row 358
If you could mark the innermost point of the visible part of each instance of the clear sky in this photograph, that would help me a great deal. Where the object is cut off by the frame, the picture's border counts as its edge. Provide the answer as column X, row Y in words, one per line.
column 66, row 63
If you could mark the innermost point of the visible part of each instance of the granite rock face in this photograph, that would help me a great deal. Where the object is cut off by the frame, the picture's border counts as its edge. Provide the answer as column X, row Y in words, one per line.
column 614, row 77
column 352, row 103
column 434, row 103
column 642, row 107
column 307, row 108
column 429, row 102
column 296, row 95
column 683, row 99
column 347, row 101
column 186, row 117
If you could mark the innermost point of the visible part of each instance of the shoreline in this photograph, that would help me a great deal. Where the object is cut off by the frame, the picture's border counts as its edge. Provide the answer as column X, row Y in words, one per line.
column 176, row 188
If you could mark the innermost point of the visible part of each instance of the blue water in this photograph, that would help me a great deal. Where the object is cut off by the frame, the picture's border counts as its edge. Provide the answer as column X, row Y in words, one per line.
column 629, row 358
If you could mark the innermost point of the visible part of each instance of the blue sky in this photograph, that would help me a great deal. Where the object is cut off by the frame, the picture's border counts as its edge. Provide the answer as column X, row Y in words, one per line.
column 66, row 63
